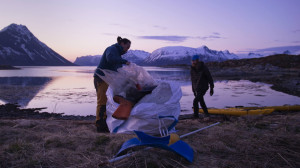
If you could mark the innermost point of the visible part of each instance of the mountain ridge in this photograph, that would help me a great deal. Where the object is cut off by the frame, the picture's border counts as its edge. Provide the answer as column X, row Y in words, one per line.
column 19, row 47
column 169, row 55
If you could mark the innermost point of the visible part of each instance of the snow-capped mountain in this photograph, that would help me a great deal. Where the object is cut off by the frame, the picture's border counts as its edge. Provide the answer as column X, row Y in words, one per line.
column 89, row 60
column 19, row 47
column 182, row 55
column 135, row 56
column 289, row 50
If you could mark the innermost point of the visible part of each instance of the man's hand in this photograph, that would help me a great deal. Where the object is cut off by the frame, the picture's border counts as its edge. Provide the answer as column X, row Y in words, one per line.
column 211, row 91
column 127, row 63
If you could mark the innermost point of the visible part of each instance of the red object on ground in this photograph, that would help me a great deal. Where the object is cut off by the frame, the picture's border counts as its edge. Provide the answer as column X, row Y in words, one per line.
column 138, row 87
column 124, row 109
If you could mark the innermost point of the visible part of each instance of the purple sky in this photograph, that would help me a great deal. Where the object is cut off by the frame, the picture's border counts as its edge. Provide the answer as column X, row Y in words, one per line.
column 76, row 28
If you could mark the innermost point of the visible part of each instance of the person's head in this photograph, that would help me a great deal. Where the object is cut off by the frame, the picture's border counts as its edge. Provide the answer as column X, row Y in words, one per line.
column 124, row 42
column 195, row 59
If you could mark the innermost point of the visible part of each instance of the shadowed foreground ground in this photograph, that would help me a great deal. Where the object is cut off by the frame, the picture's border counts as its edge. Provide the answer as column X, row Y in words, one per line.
column 253, row 141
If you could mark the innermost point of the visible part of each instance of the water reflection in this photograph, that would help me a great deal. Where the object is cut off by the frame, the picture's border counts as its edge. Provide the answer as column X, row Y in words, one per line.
column 69, row 95
column 239, row 93
column 21, row 90
column 183, row 75
column 70, row 90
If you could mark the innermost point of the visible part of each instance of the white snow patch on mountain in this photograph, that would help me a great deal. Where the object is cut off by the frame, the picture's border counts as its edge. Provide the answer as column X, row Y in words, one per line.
column 9, row 51
column 175, row 53
column 27, row 52
column 37, row 53
column 139, row 53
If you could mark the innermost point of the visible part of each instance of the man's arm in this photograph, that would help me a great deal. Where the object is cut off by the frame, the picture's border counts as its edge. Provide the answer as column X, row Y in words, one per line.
column 209, row 77
column 191, row 74
column 113, row 57
column 210, row 80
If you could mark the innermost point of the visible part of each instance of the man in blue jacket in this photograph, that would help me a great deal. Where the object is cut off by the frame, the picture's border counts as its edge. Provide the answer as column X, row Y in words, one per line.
column 111, row 60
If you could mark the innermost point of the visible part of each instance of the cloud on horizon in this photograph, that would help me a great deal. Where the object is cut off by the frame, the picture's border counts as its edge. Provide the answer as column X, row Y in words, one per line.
column 177, row 39
column 210, row 37
column 166, row 38
column 215, row 35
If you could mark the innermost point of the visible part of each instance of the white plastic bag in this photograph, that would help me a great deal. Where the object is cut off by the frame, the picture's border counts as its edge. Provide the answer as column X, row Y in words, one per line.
column 127, row 77
column 149, row 115
column 156, row 113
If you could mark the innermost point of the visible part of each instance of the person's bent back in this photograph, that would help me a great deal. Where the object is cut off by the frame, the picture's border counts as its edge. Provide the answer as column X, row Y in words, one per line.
column 111, row 60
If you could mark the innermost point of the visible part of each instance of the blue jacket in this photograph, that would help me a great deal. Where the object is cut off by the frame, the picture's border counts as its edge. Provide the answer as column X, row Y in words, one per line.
column 111, row 59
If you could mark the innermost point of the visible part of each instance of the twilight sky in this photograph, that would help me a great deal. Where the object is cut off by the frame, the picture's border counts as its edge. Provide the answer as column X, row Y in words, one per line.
column 76, row 28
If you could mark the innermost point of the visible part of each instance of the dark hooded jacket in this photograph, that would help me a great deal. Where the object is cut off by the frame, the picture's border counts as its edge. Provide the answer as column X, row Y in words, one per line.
column 201, row 77
column 111, row 59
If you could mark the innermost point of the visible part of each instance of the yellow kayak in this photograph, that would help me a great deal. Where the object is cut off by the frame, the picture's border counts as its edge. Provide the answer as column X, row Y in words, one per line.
column 277, row 108
column 239, row 111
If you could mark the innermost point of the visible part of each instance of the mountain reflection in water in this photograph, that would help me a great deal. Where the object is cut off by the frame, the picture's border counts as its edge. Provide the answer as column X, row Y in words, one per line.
column 21, row 90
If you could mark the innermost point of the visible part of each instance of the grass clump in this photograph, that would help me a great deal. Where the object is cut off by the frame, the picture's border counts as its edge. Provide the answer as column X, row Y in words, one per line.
column 18, row 147
column 100, row 140
column 56, row 142
column 14, row 148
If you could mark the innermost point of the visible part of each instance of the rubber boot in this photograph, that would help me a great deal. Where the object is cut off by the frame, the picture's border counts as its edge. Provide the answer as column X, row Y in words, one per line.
column 101, row 124
column 124, row 109
column 196, row 112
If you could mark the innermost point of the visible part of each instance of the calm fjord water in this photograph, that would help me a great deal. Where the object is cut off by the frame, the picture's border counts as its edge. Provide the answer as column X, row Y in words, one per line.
column 70, row 90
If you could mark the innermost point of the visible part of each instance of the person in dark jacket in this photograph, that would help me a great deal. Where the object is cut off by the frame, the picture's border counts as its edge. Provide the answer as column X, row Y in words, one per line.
column 111, row 60
column 201, row 81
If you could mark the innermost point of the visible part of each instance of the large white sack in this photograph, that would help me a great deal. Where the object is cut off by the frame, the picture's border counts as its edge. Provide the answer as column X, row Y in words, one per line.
column 154, row 112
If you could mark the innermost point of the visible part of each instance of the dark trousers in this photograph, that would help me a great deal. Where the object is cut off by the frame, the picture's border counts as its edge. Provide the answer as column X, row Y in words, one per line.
column 199, row 97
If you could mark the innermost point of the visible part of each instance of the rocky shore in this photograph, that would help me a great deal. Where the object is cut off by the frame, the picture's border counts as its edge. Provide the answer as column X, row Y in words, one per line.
column 13, row 111
column 8, row 67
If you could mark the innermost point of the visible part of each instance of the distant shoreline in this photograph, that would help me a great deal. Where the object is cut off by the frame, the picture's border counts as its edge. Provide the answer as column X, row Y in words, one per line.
column 14, row 111
column 8, row 67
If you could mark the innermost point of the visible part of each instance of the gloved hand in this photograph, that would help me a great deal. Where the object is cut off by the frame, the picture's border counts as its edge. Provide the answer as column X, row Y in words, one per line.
column 211, row 91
